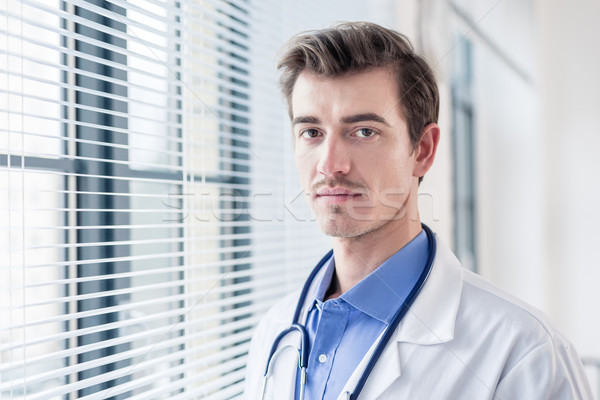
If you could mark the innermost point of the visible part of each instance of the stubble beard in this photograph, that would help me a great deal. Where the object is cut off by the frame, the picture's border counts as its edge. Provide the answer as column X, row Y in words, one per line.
column 337, row 223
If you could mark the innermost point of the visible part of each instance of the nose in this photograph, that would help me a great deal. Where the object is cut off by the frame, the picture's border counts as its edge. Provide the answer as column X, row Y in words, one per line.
column 334, row 158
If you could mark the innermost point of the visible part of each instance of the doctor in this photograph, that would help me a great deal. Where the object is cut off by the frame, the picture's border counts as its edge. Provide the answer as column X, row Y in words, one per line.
column 364, row 111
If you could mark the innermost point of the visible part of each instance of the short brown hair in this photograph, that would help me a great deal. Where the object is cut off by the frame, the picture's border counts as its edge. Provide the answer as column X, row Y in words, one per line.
column 356, row 46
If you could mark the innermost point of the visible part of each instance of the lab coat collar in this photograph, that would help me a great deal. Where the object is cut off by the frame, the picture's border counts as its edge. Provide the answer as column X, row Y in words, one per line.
column 432, row 317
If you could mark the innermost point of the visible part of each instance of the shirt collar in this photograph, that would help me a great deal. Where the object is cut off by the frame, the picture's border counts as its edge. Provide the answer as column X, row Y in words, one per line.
column 384, row 290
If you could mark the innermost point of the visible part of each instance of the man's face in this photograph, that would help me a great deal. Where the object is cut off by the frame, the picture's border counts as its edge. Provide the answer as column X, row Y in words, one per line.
column 353, row 152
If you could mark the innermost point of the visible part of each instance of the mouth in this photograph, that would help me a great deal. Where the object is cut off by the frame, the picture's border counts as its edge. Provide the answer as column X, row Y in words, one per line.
column 335, row 195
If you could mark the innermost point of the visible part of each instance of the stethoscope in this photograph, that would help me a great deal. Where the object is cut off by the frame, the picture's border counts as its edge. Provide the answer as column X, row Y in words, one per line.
column 302, row 352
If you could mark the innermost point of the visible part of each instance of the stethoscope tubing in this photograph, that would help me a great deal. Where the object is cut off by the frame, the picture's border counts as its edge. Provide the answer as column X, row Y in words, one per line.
column 303, row 359
column 307, row 285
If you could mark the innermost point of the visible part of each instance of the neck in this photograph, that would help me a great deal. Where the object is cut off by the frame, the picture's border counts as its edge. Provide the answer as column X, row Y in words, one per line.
column 355, row 258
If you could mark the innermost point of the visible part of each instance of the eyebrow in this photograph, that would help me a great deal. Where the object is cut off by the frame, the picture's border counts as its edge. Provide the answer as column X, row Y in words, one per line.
column 305, row 120
column 351, row 119
column 364, row 117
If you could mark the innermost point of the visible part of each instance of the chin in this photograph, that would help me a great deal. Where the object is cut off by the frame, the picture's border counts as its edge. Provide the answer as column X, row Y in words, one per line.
column 343, row 229
column 340, row 225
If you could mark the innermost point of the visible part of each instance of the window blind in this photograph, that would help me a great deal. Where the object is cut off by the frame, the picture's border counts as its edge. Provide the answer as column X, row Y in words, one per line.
column 150, row 208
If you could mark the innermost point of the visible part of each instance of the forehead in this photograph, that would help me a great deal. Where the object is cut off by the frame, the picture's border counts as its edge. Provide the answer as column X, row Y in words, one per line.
column 374, row 90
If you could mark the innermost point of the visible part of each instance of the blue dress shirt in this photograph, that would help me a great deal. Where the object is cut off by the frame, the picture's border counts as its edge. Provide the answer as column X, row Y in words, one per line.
column 342, row 330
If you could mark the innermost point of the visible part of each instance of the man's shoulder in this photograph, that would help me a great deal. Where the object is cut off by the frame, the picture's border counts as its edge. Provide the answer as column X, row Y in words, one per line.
column 521, row 341
column 484, row 306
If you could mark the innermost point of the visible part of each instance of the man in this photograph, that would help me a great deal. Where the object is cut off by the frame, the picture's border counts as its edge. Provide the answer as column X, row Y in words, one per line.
column 364, row 111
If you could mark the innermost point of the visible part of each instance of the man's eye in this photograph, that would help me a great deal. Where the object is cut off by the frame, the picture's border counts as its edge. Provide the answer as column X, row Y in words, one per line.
column 365, row 132
column 310, row 133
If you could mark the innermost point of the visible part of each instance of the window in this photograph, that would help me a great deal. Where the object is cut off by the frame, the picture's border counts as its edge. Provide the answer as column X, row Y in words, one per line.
column 150, row 213
column 463, row 158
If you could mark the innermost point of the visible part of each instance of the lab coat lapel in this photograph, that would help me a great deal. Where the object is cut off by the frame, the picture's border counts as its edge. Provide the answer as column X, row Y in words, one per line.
column 386, row 371
column 432, row 317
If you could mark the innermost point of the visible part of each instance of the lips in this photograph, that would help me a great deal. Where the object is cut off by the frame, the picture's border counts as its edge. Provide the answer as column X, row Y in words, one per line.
column 335, row 194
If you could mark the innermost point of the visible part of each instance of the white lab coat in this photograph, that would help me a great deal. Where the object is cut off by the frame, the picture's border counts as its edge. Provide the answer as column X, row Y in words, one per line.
column 463, row 338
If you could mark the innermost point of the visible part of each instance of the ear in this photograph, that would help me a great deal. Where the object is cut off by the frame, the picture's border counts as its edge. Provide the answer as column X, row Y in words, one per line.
column 425, row 151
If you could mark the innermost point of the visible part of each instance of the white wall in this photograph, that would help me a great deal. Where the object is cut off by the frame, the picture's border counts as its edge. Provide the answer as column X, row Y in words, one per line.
column 569, row 88
column 536, row 67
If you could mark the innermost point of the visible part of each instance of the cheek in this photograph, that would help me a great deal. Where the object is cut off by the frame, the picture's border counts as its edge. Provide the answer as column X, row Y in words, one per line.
column 393, row 173
column 304, row 166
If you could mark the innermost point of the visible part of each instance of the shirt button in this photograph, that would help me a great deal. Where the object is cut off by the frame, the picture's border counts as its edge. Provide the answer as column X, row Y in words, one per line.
column 323, row 358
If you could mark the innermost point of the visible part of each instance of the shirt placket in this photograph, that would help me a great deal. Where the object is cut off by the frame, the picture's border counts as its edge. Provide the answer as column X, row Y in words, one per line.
column 330, row 330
